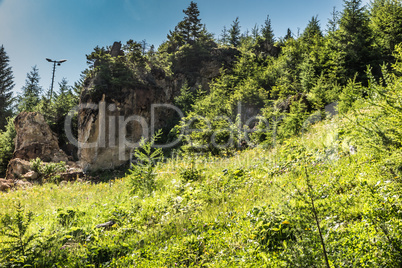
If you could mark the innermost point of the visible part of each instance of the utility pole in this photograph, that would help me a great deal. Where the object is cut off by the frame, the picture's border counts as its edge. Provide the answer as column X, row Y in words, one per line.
column 58, row 62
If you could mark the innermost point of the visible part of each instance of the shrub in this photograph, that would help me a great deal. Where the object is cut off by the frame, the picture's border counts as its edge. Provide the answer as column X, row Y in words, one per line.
column 6, row 146
column 21, row 244
column 47, row 171
column 141, row 175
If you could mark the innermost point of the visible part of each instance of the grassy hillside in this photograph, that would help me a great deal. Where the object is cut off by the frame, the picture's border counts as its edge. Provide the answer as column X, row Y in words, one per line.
column 258, row 207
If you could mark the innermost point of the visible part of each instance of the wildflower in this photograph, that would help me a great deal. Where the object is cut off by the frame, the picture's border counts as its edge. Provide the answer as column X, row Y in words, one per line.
column 285, row 222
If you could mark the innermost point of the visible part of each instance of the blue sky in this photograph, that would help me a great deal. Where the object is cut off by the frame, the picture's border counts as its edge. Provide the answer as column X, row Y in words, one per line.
column 32, row 30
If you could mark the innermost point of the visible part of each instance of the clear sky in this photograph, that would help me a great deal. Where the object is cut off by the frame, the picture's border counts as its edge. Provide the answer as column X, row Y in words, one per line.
column 32, row 30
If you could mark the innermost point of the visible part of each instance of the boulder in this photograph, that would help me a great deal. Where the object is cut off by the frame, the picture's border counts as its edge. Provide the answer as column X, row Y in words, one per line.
column 36, row 139
column 31, row 175
column 6, row 185
column 17, row 168
column 22, row 184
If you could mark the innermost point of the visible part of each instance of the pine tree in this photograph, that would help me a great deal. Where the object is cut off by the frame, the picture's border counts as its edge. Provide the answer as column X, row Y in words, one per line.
column 255, row 32
column 333, row 22
column 289, row 35
column 191, row 27
column 6, row 87
column 224, row 36
column 312, row 30
column 188, row 31
column 196, row 26
column 65, row 100
column 234, row 33
column 31, row 92
column 386, row 22
column 356, row 40
column 267, row 32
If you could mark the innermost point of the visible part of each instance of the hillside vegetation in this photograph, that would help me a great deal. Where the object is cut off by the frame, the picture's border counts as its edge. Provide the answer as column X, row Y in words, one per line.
column 329, row 196
column 307, row 186
column 258, row 207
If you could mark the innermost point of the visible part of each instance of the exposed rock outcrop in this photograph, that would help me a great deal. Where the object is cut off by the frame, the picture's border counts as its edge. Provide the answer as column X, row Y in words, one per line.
column 109, row 131
column 35, row 139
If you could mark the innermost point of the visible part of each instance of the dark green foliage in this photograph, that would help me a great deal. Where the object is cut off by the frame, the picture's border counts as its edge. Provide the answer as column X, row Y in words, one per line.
column 234, row 33
column 267, row 33
column 186, row 99
column 224, row 37
column 188, row 31
column 6, row 87
column 356, row 40
column 31, row 92
column 6, row 146
column 312, row 30
column 288, row 35
column 115, row 73
column 386, row 22
column 333, row 22
column 192, row 26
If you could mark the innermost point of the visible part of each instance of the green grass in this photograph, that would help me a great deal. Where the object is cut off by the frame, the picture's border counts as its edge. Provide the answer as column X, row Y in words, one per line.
column 246, row 210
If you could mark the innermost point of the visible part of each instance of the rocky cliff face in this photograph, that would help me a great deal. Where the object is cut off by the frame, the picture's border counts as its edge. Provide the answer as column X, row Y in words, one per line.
column 35, row 140
column 117, row 119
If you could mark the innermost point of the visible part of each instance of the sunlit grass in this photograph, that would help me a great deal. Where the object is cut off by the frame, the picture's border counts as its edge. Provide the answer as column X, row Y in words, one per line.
column 209, row 220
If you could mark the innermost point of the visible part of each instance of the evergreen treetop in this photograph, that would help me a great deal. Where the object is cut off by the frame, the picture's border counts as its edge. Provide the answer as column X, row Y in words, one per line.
column 267, row 31
column 6, row 87
column 234, row 33
column 31, row 92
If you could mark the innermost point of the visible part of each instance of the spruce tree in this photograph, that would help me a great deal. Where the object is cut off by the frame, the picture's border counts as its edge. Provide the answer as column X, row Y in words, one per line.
column 190, row 28
column 192, row 15
column 333, row 22
column 188, row 31
column 267, row 32
column 312, row 30
column 255, row 32
column 6, row 87
column 234, row 33
column 224, row 36
column 356, row 40
column 289, row 35
column 386, row 22
column 65, row 100
column 31, row 92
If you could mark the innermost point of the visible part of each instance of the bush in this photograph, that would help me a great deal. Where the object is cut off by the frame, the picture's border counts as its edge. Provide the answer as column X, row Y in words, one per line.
column 6, row 146
column 21, row 245
column 141, row 175
column 376, row 114
column 48, row 171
